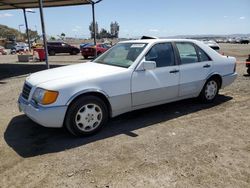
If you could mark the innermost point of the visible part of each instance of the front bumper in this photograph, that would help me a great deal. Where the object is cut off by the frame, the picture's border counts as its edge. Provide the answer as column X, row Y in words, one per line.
column 228, row 79
column 45, row 116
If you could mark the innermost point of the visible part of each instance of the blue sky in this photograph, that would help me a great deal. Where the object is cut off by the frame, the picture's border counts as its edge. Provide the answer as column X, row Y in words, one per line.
column 160, row 18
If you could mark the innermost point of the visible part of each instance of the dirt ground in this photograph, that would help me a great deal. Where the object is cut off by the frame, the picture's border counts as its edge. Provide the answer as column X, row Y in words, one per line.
column 182, row 144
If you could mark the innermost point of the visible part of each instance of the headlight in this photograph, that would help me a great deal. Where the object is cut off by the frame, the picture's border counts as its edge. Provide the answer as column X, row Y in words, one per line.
column 43, row 96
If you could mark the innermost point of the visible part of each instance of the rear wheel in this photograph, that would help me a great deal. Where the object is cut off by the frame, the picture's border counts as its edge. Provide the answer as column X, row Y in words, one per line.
column 210, row 91
column 86, row 116
column 73, row 52
column 85, row 57
column 248, row 71
column 52, row 52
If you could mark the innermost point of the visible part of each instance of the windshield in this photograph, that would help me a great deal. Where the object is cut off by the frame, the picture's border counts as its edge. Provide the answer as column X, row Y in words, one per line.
column 122, row 54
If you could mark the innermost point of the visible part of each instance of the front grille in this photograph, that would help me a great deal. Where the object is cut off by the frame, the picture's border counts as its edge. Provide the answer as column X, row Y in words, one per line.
column 26, row 91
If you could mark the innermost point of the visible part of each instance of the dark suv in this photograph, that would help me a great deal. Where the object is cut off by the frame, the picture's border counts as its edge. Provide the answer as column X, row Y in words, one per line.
column 248, row 64
column 61, row 47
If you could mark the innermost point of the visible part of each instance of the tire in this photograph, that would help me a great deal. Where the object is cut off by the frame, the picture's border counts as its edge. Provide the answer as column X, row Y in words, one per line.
column 52, row 52
column 73, row 52
column 86, row 116
column 85, row 57
column 99, row 53
column 248, row 71
column 210, row 91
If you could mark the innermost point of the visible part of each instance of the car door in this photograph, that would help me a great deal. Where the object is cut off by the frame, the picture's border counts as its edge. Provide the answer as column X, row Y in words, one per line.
column 159, row 84
column 56, row 47
column 65, row 48
column 195, row 66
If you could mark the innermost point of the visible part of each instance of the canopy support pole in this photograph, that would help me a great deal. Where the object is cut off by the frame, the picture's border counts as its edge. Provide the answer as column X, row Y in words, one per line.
column 44, row 33
column 94, row 25
column 27, row 28
column 93, row 15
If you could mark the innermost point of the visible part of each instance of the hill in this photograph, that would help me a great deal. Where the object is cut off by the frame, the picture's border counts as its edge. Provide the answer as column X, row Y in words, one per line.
column 6, row 31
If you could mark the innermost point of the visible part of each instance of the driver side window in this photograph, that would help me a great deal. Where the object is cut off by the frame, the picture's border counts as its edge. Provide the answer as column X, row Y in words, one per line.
column 162, row 54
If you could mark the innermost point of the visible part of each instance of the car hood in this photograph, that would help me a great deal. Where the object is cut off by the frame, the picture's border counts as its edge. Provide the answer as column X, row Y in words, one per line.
column 83, row 71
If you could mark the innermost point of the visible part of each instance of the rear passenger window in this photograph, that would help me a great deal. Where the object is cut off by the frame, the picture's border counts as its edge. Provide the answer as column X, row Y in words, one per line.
column 187, row 53
column 202, row 55
column 162, row 54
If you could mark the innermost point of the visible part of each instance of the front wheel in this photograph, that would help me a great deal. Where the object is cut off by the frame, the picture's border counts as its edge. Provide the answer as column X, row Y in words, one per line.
column 86, row 116
column 209, row 91
column 248, row 71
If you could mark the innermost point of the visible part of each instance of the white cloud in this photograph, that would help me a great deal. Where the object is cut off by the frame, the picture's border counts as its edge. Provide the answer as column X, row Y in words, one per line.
column 225, row 16
column 5, row 15
column 154, row 30
column 78, row 27
column 75, row 30
column 242, row 18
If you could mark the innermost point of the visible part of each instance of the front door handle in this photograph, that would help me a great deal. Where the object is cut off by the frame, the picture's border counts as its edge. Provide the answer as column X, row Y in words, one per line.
column 174, row 71
column 206, row 66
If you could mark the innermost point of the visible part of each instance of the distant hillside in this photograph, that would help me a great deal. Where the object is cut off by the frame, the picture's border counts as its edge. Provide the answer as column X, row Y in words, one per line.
column 5, row 31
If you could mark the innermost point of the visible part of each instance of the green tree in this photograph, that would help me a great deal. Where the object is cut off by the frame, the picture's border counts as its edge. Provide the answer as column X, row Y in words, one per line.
column 52, row 38
column 33, row 34
column 91, row 29
column 104, row 34
column 114, row 29
column 63, row 36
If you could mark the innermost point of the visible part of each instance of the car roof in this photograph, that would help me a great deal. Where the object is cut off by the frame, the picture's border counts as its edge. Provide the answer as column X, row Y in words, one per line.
column 158, row 40
column 56, row 42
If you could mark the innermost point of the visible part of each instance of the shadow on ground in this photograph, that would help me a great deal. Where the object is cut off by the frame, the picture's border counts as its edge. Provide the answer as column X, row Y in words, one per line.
column 29, row 139
column 10, row 70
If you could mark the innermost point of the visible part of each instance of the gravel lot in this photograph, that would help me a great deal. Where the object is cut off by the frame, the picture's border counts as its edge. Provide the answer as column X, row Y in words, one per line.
column 182, row 144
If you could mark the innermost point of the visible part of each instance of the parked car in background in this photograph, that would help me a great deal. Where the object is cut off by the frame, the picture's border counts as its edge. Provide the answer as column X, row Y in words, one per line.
column 91, row 50
column 84, row 45
column 130, row 76
column 3, row 51
column 212, row 44
column 20, row 47
column 62, row 47
column 244, row 41
column 248, row 64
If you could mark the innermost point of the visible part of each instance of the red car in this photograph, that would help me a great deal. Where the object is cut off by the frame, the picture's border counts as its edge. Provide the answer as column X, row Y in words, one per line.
column 2, row 51
column 89, row 50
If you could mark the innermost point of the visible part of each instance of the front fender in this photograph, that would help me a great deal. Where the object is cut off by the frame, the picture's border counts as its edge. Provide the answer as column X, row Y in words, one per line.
column 87, row 91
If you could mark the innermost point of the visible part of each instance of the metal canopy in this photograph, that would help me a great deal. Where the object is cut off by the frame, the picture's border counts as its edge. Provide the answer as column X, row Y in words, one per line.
column 17, row 4
column 24, row 4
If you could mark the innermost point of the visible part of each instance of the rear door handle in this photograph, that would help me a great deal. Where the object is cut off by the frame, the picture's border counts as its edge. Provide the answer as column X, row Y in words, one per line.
column 206, row 66
column 174, row 71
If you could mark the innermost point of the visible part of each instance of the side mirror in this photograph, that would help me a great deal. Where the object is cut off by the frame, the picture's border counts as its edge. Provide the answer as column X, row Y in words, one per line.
column 149, row 65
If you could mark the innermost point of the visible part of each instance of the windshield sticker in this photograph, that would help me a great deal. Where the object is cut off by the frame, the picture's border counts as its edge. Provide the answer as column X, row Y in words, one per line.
column 137, row 46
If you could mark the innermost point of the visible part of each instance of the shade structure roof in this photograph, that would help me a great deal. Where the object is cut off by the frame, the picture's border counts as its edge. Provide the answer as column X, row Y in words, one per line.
column 20, row 4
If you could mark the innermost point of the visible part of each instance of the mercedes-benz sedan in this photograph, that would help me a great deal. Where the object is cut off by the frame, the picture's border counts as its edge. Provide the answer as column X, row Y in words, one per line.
column 129, row 76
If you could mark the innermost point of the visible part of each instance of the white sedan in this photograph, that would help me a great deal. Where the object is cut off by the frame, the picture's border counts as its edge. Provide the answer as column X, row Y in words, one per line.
column 130, row 76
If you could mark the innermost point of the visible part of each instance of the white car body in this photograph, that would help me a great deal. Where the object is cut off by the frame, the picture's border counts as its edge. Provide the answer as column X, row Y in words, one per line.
column 125, row 89
column 21, row 47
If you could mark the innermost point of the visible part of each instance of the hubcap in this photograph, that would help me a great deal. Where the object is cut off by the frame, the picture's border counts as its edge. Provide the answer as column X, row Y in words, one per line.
column 88, row 117
column 211, row 90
